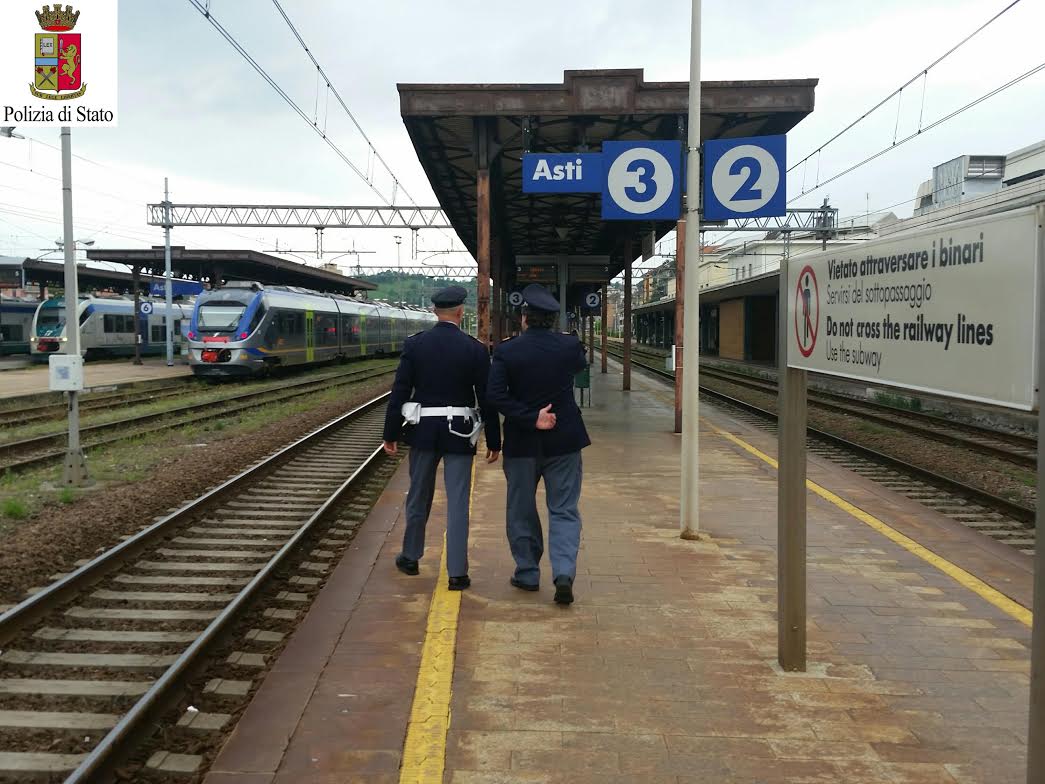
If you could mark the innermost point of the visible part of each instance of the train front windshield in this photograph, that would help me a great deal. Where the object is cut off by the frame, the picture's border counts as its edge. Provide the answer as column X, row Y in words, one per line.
column 220, row 316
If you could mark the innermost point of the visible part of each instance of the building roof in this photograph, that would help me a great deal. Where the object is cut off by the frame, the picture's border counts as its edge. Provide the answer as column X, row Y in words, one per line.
column 233, row 265
column 451, row 125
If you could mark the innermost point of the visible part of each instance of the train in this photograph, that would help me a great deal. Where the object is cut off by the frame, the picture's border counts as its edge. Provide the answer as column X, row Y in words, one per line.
column 16, row 324
column 247, row 329
column 107, row 326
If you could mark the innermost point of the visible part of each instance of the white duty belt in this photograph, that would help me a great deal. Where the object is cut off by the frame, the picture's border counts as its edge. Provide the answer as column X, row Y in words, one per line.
column 413, row 411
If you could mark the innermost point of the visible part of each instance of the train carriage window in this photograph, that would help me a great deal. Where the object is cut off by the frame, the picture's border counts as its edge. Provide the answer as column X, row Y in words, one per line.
column 113, row 323
column 256, row 320
column 158, row 333
column 326, row 330
column 11, row 332
column 84, row 316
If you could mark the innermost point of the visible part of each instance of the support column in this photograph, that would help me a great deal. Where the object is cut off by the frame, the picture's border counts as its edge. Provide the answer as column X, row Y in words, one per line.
column 136, row 282
column 591, row 340
column 496, row 294
column 627, row 315
column 689, row 508
column 605, row 324
column 680, row 315
column 482, row 305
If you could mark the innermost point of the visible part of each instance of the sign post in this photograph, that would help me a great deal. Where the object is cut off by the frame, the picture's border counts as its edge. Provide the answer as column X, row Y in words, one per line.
column 1036, row 724
column 952, row 310
column 791, row 498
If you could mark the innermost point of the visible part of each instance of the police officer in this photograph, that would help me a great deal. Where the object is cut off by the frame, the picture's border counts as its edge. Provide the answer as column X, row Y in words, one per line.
column 531, row 384
column 441, row 379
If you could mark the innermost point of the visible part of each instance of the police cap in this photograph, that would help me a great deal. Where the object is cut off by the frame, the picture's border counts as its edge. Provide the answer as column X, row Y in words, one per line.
column 450, row 297
column 537, row 297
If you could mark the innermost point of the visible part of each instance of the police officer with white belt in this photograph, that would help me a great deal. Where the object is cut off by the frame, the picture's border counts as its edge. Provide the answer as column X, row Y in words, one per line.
column 531, row 384
column 439, row 395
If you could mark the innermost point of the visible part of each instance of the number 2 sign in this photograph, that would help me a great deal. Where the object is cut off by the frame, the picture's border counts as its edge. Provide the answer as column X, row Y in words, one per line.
column 745, row 178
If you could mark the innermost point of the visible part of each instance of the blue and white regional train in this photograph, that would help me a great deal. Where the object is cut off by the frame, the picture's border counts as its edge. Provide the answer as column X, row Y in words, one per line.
column 16, row 324
column 247, row 329
column 107, row 326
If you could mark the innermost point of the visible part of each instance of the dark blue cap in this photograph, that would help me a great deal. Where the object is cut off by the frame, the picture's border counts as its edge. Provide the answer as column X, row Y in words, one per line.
column 450, row 297
column 537, row 297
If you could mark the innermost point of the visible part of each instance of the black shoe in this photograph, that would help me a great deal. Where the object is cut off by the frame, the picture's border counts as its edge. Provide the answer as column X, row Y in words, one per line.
column 564, row 590
column 459, row 583
column 406, row 566
column 524, row 586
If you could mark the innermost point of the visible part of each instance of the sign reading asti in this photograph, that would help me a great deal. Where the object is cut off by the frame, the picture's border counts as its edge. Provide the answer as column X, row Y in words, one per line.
column 65, row 87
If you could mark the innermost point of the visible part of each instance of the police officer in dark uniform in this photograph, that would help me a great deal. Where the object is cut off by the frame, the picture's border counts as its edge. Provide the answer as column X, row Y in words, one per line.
column 441, row 378
column 531, row 384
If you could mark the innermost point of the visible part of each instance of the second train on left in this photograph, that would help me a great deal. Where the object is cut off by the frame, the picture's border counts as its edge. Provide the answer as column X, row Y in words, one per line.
column 249, row 329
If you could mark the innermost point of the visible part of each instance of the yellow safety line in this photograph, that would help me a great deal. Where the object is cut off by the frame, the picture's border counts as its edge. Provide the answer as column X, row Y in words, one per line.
column 974, row 584
column 424, row 751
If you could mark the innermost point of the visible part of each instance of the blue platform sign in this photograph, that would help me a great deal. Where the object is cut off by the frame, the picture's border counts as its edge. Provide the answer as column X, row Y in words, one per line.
column 745, row 178
column 643, row 180
column 562, row 173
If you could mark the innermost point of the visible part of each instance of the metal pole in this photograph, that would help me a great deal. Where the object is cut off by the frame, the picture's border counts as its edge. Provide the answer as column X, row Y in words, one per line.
column 136, row 282
column 690, row 506
column 1036, row 725
column 168, row 319
column 482, row 289
column 75, row 470
column 626, row 360
column 605, row 323
column 791, row 498
column 680, row 316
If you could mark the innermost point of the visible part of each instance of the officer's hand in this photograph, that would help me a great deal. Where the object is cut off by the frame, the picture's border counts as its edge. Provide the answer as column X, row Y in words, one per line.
column 545, row 418
column 390, row 447
column 492, row 455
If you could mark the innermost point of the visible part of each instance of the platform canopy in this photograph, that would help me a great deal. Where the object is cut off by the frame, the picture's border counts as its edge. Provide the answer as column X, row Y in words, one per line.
column 223, row 265
column 52, row 273
column 460, row 129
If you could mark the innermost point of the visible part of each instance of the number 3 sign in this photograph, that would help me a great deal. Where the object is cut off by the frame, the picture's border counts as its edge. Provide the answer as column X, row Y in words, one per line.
column 745, row 178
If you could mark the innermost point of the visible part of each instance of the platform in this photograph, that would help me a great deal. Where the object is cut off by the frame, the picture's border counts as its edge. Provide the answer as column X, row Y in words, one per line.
column 664, row 669
column 33, row 380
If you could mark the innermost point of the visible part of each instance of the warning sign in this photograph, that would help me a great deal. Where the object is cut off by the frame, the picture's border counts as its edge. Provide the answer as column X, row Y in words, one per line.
column 807, row 310
column 951, row 309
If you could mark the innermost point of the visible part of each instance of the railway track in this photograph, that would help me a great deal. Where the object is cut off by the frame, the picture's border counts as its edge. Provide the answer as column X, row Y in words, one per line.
column 1019, row 449
column 40, row 450
column 93, row 401
column 91, row 661
column 1014, row 447
column 973, row 507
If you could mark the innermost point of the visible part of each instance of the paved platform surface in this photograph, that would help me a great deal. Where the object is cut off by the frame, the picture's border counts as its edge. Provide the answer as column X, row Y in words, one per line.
column 664, row 669
column 33, row 380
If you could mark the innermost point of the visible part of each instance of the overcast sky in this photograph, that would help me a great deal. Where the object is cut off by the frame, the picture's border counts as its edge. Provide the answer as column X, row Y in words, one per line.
column 193, row 110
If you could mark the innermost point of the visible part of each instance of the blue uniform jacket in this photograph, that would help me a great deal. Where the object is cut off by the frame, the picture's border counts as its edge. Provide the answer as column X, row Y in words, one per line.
column 529, row 372
column 441, row 366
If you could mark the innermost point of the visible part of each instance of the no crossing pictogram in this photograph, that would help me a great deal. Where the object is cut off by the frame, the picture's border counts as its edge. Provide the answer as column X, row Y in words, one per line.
column 807, row 311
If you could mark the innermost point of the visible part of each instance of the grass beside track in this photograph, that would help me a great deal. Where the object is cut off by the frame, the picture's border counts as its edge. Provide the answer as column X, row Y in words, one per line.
column 134, row 459
column 193, row 392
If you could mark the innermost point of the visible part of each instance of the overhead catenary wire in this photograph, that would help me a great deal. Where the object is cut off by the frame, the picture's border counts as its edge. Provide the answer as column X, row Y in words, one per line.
column 235, row 44
column 947, row 117
column 923, row 73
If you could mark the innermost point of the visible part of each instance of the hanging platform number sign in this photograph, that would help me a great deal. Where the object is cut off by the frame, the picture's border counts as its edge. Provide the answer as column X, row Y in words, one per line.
column 745, row 178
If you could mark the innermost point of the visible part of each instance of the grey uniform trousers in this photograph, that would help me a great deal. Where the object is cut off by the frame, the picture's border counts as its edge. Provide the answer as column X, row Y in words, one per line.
column 457, row 476
column 562, row 486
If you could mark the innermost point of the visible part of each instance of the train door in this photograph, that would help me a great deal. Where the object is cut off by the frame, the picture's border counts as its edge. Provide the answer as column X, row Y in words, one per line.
column 310, row 336
column 362, row 334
